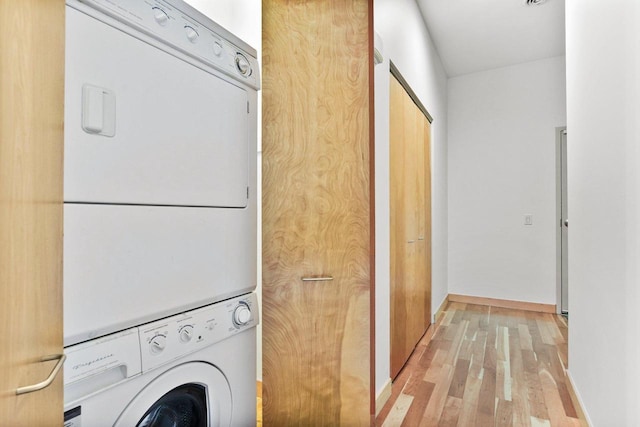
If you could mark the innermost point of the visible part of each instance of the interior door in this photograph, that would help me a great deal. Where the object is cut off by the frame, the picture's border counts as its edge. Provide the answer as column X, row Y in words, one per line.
column 317, row 227
column 31, row 153
column 410, row 186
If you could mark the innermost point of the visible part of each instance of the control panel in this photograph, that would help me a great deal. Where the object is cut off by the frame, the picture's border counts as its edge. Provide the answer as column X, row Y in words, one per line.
column 164, row 21
column 176, row 336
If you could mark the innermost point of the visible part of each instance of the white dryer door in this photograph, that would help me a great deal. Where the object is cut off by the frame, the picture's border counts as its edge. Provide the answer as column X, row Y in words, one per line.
column 194, row 394
column 179, row 134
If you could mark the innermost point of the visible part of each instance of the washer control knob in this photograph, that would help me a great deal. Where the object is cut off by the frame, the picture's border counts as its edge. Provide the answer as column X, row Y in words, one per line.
column 186, row 333
column 217, row 49
column 160, row 16
column 241, row 314
column 243, row 65
column 157, row 344
column 192, row 34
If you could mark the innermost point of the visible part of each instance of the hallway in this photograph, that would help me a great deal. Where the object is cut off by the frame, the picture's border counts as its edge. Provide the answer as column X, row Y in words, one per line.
column 486, row 366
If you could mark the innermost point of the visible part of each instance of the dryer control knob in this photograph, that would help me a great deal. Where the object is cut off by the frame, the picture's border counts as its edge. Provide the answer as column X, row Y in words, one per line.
column 192, row 34
column 186, row 333
column 160, row 16
column 241, row 315
column 157, row 344
column 217, row 49
column 243, row 65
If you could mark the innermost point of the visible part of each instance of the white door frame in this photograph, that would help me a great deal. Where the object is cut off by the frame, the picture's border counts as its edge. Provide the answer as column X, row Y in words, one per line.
column 559, row 165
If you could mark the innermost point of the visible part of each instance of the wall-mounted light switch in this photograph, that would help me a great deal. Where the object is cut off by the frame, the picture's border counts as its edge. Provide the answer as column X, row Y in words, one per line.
column 528, row 219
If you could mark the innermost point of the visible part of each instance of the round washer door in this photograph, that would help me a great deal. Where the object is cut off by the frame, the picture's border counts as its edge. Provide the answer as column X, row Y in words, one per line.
column 194, row 394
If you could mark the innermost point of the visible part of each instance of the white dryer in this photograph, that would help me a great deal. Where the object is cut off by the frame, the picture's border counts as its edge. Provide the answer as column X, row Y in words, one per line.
column 196, row 369
column 160, row 164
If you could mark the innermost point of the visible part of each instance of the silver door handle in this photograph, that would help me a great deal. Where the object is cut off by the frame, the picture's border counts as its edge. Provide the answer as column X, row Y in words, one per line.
column 566, row 223
column 47, row 382
column 421, row 238
column 317, row 279
column 411, row 241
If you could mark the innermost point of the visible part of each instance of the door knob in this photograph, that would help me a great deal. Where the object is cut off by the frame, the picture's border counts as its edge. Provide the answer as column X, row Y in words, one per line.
column 566, row 223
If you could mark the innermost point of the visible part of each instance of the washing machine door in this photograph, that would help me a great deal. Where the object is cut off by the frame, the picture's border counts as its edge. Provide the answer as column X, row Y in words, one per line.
column 194, row 394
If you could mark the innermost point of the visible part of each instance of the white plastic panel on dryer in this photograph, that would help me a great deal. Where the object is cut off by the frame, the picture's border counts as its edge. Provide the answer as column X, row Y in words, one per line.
column 95, row 365
column 92, row 358
column 192, row 151
column 207, row 326
column 124, row 266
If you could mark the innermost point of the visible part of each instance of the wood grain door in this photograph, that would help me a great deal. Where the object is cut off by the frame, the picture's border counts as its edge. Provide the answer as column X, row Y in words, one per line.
column 317, row 208
column 410, row 199
column 31, row 156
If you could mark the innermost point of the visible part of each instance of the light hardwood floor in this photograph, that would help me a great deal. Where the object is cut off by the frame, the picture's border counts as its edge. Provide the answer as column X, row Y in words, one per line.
column 486, row 366
column 259, row 404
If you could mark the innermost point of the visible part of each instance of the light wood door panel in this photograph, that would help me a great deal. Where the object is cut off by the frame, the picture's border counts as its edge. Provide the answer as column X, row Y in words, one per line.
column 31, row 157
column 316, row 212
column 398, row 219
column 426, row 221
column 410, row 187
column 420, row 303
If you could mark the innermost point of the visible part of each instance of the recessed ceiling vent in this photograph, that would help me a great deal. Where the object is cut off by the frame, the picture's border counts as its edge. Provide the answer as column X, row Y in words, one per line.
column 534, row 2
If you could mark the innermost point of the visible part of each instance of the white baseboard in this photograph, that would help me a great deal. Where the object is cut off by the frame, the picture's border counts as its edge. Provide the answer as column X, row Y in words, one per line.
column 576, row 395
column 384, row 395
column 440, row 311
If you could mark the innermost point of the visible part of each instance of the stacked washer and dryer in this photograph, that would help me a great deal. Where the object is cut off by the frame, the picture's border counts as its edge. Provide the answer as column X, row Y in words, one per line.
column 160, row 217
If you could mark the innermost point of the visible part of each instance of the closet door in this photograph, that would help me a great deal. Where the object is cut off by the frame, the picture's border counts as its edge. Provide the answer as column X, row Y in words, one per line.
column 423, row 241
column 31, row 151
column 420, row 319
column 317, row 208
column 410, row 185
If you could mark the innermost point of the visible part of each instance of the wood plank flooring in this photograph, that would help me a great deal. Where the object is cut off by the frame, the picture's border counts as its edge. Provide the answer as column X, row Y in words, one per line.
column 259, row 404
column 486, row 366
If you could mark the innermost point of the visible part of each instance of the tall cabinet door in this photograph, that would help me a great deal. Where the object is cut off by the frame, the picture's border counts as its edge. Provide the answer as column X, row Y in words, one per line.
column 423, row 214
column 317, row 208
column 410, row 200
column 31, row 155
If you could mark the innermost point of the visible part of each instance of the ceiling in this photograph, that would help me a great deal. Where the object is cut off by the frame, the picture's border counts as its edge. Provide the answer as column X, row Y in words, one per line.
column 476, row 35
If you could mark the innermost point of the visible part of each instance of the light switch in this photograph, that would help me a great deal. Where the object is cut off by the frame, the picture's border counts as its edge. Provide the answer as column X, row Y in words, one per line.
column 528, row 219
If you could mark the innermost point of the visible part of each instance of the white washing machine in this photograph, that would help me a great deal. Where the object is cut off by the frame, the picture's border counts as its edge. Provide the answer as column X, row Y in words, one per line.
column 196, row 369
column 160, row 164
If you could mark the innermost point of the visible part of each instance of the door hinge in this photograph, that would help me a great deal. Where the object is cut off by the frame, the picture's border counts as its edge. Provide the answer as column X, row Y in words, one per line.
column 247, row 107
column 247, row 192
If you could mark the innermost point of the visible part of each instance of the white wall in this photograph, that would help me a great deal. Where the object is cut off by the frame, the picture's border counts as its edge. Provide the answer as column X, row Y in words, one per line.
column 603, row 106
column 502, row 166
column 408, row 44
column 244, row 19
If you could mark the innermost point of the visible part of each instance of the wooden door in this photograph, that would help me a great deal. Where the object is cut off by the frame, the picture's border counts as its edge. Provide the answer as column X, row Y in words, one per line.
column 410, row 199
column 317, row 208
column 31, row 153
